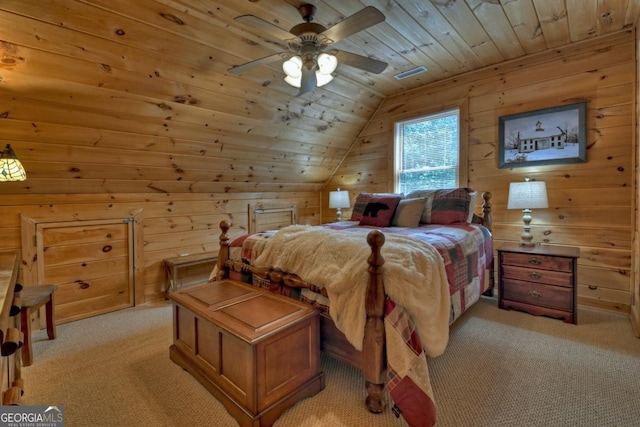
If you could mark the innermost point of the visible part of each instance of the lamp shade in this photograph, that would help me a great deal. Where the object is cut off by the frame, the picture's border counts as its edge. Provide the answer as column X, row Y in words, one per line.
column 528, row 195
column 10, row 167
column 338, row 199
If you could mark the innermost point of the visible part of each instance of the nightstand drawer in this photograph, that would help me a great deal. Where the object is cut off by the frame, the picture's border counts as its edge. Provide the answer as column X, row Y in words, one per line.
column 538, row 275
column 538, row 261
column 538, row 294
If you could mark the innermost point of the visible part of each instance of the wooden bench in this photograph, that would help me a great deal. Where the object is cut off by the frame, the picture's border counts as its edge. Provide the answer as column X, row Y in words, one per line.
column 257, row 352
column 31, row 299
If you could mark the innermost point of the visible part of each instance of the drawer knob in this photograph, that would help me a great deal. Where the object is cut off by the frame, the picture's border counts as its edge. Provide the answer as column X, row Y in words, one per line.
column 535, row 294
column 535, row 275
column 534, row 260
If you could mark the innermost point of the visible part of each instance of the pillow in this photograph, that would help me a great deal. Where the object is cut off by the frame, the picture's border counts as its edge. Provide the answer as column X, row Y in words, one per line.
column 408, row 213
column 427, row 195
column 451, row 206
column 446, row 206
column 472, row 204
column 361, row 203
column 380, row 210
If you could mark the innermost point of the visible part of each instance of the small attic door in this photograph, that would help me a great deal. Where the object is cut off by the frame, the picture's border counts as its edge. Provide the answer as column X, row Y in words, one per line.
column 92, row 262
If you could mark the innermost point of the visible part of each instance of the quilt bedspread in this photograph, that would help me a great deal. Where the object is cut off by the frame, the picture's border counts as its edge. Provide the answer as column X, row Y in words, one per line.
column 466, row 251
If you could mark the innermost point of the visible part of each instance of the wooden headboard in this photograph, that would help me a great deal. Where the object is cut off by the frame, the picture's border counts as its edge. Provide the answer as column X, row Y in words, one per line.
column 271, row 216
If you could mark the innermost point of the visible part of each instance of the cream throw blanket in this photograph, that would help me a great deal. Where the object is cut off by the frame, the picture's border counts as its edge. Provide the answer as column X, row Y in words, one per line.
column 414, row 277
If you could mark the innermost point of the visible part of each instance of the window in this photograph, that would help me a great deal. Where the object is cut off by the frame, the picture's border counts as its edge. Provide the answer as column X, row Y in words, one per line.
column 427, row 152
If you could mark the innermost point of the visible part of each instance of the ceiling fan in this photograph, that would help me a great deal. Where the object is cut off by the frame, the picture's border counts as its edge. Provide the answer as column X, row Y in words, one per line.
column 311, row 58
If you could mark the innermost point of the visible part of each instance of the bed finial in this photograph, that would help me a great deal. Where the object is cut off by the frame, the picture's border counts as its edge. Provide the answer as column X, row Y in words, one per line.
column 223, row 253
column 487, row 220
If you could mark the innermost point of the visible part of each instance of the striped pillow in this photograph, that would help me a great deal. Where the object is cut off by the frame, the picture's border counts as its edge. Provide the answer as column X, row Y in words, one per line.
column 446, row 206
column 451, row 206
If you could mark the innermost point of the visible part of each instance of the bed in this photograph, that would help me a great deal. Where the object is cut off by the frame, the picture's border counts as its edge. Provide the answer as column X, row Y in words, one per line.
column 446, row 246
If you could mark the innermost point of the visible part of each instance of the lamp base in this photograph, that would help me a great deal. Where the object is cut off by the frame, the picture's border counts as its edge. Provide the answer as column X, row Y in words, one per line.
column 526, row 238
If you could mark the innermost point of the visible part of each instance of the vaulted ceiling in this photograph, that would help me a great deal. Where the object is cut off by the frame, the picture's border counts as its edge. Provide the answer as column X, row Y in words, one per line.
column 448, row 37
column 91, row 87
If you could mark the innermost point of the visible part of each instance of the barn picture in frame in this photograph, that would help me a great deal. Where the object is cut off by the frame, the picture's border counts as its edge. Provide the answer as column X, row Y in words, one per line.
column 549, row 136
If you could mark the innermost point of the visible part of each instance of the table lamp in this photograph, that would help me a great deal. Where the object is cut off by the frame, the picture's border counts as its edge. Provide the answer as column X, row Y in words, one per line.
column 526, row 196
column 338, row 200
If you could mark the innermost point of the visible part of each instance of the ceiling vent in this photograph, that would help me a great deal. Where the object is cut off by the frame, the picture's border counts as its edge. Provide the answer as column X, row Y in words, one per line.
column 409, row 73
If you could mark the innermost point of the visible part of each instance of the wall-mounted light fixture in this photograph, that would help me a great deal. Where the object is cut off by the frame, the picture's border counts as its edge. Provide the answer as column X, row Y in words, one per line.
column 10, row 167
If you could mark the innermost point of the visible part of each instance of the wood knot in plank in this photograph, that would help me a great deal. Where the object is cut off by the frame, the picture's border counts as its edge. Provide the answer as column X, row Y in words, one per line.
column 185, row 99
column 172, row 18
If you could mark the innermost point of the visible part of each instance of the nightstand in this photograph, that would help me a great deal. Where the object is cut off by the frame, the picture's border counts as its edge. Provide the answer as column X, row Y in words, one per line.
column 540, row 280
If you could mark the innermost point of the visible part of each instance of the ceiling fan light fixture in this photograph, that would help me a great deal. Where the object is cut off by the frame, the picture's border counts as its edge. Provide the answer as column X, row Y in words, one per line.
column 327, row 63
column 294, row 81
column 323, row 79
column 310, row 66
column 293, row 68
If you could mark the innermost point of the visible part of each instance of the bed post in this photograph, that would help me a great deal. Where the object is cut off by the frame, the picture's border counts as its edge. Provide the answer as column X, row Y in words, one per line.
column 223, row 254
column 374, row 335
column 487, row 220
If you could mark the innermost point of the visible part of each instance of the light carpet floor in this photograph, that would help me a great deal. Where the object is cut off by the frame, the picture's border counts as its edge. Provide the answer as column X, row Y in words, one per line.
column 501, row 368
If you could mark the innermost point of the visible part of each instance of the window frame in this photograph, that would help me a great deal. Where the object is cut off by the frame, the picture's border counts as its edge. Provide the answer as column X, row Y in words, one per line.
column 462, row 179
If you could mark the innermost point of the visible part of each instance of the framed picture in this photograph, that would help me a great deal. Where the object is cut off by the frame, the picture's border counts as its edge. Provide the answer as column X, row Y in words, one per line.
column 550, row 136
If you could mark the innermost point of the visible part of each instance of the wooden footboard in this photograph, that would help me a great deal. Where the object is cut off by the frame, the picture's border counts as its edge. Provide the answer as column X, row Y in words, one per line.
column 371, row 361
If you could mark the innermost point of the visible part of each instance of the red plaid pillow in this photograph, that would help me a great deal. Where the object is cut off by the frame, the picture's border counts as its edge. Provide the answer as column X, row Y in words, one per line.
column 451, row 206
column 361, row 203
column 379, row 211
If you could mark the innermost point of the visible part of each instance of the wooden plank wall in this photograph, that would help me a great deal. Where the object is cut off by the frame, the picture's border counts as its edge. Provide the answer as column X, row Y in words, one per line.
column 591, row 204
column 120, row 106
column 635, row 295
column 173, row 223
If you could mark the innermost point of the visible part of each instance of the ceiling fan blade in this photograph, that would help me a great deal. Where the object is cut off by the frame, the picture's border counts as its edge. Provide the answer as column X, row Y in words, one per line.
column 239, row 69
column 358, row 61
column 359, row 21
column 265, row 26
column 308, row 81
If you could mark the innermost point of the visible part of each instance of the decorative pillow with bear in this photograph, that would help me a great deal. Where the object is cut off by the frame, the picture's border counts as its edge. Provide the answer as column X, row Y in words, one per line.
column 380, row 210
column 363, row 199
column 408, row 213
column 446, row 206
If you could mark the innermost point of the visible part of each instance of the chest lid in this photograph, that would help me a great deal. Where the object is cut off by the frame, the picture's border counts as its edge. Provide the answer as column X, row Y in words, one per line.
column 248, row 312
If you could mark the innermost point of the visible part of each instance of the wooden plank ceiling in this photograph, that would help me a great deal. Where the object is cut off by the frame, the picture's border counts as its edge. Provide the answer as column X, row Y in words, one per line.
column 134, row 96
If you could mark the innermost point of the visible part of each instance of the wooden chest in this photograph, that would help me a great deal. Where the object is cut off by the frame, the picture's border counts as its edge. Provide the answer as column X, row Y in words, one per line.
column 257, row 352
column 540, row 280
